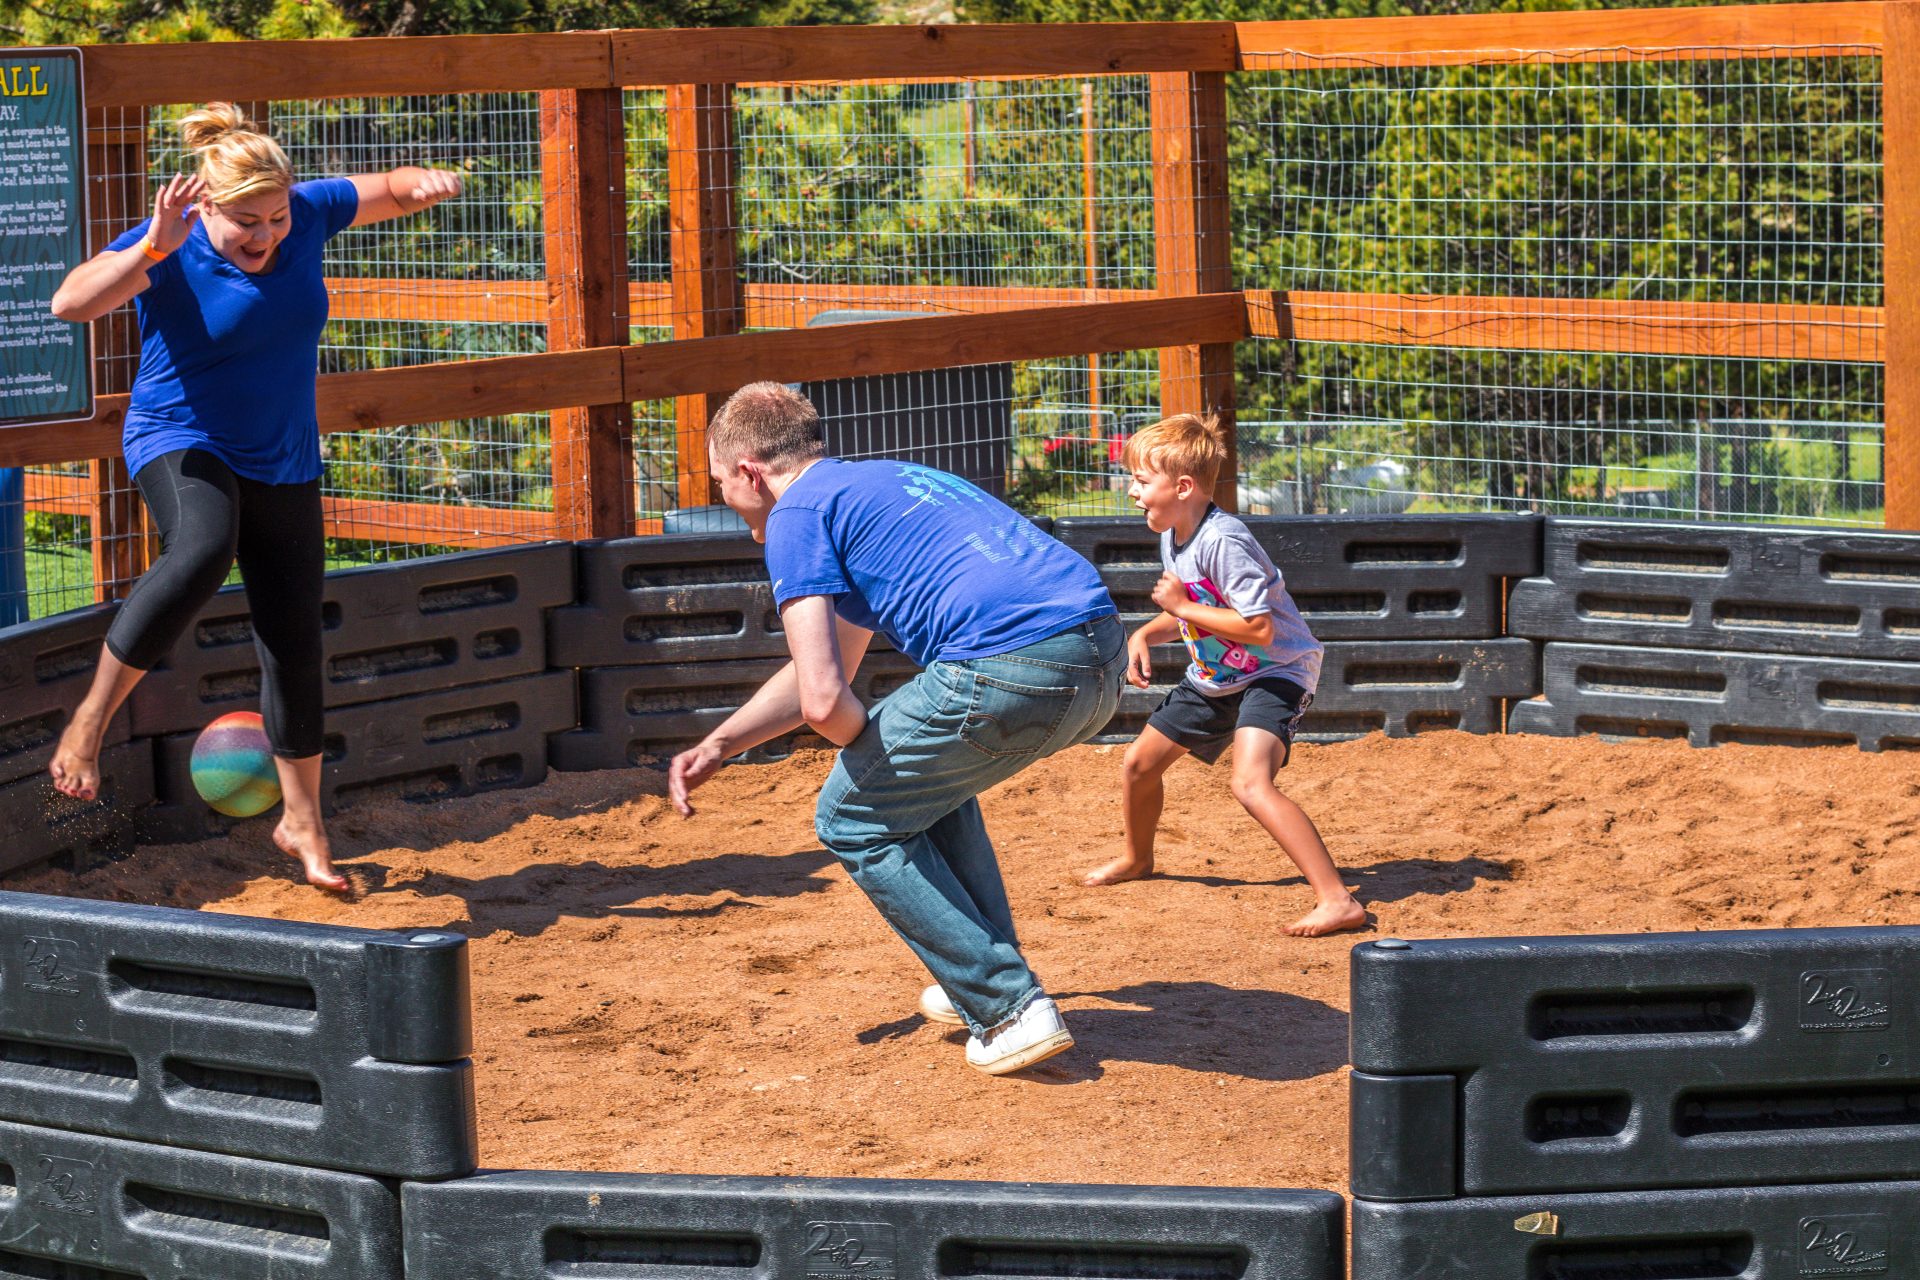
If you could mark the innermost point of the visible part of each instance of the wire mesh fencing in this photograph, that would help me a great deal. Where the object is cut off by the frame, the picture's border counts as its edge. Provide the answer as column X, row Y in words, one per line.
column 467, row 279
column 1646, row 283
column 1634, row 281
column 839, row 204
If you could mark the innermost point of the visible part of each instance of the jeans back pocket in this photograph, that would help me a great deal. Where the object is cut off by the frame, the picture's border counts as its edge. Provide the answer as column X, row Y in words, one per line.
column 1006, row 718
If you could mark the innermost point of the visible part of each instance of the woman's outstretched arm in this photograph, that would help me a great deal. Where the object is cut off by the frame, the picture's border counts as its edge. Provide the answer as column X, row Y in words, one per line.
column 402, row 191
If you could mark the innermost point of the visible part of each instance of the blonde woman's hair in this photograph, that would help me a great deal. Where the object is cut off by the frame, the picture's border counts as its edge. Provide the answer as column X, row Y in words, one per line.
column 1183, row 445
column 236, row 159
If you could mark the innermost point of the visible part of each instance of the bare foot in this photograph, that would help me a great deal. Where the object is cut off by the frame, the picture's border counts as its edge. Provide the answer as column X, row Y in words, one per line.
column 1121, row 869
column 1329, row 917
column 76, row 772
column 310, row 846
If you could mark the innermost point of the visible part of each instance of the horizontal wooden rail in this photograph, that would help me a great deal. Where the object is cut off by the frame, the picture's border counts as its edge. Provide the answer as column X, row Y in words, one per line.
column 369, row 401
column 154, row 75
column 157, row 75
column 468, row 389
column 1747, row 330
column 435, row 523
column 791, row 306
column 989, row 50
column 147, row 75
column 769, row 306
column 425, row 523
column 63, row 495
column 1600, row 35
column 899, row 346
column 612, row 375
column 438, row 301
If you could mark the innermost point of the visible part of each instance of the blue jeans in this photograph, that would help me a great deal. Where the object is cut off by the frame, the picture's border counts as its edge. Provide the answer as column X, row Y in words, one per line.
column 899, row 809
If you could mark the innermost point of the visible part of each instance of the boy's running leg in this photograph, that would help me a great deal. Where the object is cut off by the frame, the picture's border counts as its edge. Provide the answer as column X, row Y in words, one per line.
column 1257, row 757
column 1142, row 798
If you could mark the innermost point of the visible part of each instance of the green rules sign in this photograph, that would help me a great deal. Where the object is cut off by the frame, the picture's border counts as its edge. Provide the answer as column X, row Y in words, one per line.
column 45, row 373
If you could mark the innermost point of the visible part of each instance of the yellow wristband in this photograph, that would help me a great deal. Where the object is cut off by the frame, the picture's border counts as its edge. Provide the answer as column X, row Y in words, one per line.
column 152, row 250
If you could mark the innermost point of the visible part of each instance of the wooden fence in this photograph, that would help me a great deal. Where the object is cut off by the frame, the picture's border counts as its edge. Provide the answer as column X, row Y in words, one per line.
column 590, row 378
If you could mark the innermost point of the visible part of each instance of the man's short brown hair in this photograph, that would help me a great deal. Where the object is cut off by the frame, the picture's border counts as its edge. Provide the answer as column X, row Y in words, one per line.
column 767, row 421
column 1183, row 445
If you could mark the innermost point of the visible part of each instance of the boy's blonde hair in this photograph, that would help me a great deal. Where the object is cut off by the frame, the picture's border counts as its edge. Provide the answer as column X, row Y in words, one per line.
column 1184, row 445
column 769, row 421
column 236, row 159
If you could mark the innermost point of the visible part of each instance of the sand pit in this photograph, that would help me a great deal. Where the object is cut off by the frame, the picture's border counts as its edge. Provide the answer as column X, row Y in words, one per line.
column 714, row 996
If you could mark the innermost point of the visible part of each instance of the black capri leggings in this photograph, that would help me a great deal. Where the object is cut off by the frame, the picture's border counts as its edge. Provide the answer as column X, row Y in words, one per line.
column 206, row 515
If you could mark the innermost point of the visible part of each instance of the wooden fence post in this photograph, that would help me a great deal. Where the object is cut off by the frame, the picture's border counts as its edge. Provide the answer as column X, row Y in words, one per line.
column 583, row 170
column 1089, row 183
column 1193, row 243
column 123, row 545
column 1900, row 199
column 708, row 300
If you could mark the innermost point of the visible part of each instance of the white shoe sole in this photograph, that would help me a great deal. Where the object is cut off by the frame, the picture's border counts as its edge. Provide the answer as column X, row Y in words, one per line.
column 934, row 1013
column 1040, row 1051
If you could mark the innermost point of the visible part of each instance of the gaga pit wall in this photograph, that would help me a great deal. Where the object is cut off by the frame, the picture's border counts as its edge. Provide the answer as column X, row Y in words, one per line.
column 188, row 1097
column 482, row 670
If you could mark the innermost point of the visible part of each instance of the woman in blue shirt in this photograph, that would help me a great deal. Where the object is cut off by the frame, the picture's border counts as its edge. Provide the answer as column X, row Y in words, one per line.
column 221, row 434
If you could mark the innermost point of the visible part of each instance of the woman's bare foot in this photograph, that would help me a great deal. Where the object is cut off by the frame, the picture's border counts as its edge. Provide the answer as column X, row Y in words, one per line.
column 315, row 854
column 76, row 762
column 1121, row 869
column 1330, row 917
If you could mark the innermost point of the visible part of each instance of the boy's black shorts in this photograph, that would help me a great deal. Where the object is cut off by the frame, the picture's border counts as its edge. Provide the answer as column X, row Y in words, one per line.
column 1205, row 724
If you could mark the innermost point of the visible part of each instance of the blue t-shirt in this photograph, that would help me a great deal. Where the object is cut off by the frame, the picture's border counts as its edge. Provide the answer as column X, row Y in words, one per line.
column 934, row 563
column 227, row 358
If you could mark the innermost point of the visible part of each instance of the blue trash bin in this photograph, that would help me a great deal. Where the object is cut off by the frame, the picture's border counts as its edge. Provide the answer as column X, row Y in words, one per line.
column 13, row 546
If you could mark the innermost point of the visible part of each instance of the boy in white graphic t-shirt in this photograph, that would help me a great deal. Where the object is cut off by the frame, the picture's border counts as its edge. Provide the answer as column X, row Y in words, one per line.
column 1253, row 671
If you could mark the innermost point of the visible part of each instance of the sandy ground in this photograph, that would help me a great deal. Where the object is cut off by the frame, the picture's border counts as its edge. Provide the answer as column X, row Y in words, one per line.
column 715, row 996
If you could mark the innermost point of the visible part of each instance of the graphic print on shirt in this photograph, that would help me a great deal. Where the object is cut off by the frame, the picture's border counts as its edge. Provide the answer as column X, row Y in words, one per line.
column 1016, row 540
column 1208, row 651
column 935, row 488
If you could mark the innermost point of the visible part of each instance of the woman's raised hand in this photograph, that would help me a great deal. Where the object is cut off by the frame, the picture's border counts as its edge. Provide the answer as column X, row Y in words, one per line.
column 174, row 210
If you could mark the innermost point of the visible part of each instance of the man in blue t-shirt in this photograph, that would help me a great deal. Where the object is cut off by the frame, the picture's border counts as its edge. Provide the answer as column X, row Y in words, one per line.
column 1023, row 654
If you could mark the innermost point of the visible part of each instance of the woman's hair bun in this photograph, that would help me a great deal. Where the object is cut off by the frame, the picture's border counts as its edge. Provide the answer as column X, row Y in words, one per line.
column 202, row 128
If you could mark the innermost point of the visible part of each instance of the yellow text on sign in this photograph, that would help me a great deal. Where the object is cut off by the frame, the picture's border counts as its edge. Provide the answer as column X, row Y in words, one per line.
column 22, row 82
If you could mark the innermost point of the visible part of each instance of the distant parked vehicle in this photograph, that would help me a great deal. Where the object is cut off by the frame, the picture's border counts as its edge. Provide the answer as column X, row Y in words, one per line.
column 1638, row 498
column 1376, row 488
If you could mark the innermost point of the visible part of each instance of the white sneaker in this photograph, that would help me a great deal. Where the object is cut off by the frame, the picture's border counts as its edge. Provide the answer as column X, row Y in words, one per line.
column 937, row 1006
column 1034, row 1036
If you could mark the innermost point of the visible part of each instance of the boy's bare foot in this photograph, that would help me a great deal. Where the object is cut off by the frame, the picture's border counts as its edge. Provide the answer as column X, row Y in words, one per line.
column 316, row 856
column 76, row 772
column 1119, row 870
column 1329, row 917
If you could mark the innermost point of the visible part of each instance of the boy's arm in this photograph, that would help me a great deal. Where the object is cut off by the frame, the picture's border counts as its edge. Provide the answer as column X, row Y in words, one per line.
column 774, row 709
column 1229, row 624
column 1158, row 629
column 1162, row 628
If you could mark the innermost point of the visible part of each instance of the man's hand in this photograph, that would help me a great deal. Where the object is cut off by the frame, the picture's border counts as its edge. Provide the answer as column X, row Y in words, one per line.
column 1171, row 594
column 1139, row 660
column 689, row 769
